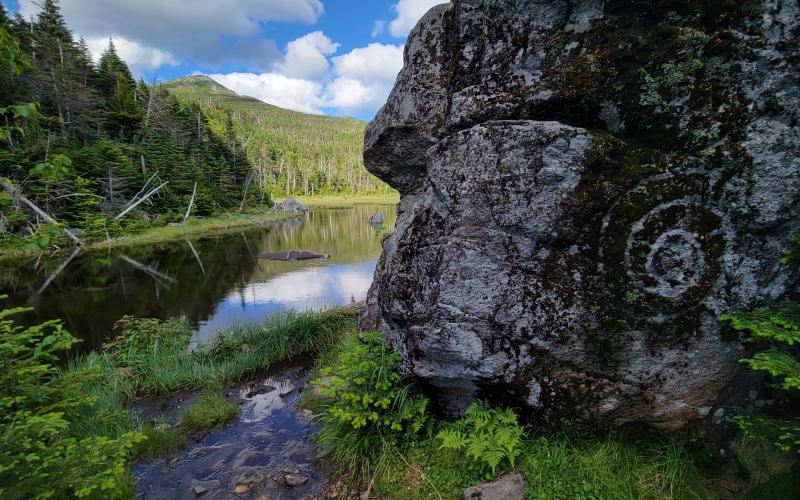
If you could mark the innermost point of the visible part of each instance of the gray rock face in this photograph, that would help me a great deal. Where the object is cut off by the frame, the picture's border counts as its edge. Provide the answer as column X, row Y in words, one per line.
column 510, row 487
column 585, row 187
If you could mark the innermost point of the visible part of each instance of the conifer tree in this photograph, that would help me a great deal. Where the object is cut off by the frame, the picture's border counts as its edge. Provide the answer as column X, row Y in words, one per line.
column 122, row 115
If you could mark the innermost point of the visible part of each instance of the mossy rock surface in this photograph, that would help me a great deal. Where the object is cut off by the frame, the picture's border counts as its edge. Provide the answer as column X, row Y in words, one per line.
column 586, row 186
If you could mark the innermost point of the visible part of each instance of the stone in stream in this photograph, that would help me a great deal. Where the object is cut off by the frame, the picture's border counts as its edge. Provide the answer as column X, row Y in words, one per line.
column 509, row 487
column 202, row 487
column 585, row 187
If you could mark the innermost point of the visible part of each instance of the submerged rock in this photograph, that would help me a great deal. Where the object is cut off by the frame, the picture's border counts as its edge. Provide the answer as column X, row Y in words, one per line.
column 292, row 255
column 585, row 187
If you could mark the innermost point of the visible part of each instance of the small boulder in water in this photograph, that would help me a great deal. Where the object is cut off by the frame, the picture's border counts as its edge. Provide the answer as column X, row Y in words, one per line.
column 376, row 219
column 290, row 205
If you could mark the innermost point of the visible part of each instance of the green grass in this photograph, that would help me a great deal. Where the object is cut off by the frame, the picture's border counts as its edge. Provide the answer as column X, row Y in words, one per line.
column 211, row 411
column 554, row 468
column 344, row 201
column 242, row 350
column 161, row 440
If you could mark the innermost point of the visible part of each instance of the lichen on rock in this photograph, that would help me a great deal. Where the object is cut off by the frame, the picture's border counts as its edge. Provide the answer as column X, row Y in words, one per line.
column 585, row 187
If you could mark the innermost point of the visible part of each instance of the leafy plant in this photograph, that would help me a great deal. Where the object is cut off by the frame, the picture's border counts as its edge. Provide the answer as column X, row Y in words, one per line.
column 372, row 405
column 489, row 436
column 53, row 169
column 780, row 327
column 39, row 452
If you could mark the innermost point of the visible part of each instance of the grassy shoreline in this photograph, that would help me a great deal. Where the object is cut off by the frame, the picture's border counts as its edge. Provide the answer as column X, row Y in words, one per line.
column 160, row 234
column 347, row 201
column 211, row 225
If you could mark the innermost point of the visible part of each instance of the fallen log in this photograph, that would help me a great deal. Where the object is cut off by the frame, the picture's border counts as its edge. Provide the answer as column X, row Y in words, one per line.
column 41, row 213
column 293, row 255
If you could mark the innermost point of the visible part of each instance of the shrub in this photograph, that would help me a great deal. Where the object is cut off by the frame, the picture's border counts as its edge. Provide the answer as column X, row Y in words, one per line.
column 140, row 336
column 39, row 452
column 212, row 410
column 489, row 436
column 372, row 405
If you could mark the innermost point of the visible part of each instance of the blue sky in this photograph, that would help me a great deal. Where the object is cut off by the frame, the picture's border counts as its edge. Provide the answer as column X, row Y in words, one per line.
column 335, row 57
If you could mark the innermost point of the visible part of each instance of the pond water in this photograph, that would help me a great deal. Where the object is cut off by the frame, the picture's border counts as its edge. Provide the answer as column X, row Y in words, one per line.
column 213, row 281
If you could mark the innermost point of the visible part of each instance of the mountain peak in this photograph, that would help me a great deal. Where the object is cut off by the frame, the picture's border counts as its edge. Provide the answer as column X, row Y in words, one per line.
column 201, row 83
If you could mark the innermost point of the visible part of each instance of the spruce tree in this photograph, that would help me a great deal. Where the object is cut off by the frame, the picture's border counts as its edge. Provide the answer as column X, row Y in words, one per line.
column 122, row 115
column 4, row 20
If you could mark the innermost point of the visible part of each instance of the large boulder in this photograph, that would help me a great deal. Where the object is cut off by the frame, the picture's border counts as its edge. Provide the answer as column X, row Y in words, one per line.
column 586, row 186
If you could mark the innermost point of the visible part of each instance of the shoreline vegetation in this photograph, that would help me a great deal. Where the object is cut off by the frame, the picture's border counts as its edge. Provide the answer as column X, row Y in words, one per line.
column 394, row 451
column 195, row 226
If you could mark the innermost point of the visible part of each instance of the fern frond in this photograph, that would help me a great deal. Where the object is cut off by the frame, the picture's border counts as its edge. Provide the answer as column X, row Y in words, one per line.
column 780, row 323
column 777, row 364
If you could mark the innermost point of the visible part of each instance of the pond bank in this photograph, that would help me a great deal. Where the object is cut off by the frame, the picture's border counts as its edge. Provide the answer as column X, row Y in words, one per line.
column 192, row 227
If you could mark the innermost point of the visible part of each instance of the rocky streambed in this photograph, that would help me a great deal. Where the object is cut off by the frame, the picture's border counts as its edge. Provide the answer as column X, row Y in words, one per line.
column 265, row 452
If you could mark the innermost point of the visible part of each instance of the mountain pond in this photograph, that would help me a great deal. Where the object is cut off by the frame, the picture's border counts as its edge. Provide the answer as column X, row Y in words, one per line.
column 213, row 281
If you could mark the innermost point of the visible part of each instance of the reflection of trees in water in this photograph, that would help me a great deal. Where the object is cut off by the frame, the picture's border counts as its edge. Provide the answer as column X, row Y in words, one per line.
column 98, row 288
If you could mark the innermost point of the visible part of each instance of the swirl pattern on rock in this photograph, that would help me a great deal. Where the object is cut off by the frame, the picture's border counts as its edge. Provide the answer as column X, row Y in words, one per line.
column 585, row 187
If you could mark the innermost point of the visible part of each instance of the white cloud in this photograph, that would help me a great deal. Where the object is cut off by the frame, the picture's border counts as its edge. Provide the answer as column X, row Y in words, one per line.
column 377, row 28
column 408, row 13
column 360, row 82
column 139, row 57
column 306, row 57
column 364, row 77
column 279, row 90
column 187, row 28
column 376, row 61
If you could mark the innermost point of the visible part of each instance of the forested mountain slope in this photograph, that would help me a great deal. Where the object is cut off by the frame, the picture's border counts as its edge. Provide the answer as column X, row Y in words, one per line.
column 85, row 141
column 293, row 153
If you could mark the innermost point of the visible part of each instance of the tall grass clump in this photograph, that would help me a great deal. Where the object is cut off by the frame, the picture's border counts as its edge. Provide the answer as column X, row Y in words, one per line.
column 150, row 356
column 212, row 410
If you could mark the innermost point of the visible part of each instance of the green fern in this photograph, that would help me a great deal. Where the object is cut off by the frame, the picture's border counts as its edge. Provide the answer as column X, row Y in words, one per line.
column 488, row 436
column 780, row 327
column 780, row 323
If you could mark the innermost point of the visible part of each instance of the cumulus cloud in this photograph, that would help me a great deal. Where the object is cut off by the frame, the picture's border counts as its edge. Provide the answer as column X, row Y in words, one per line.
column 359, row 82
column 273, row 88
column 139, row 57
column 364, row 77
column 185, row 28
column 375, row 61
column 306, row 57
column 408, row 13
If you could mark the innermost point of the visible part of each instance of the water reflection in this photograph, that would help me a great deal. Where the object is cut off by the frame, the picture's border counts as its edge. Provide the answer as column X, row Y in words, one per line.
column 213, row 281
